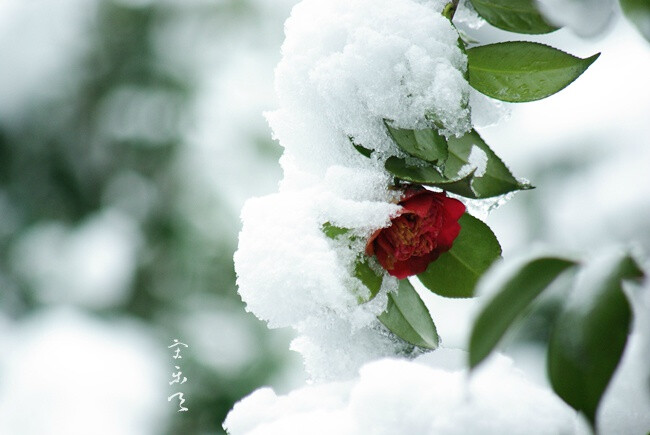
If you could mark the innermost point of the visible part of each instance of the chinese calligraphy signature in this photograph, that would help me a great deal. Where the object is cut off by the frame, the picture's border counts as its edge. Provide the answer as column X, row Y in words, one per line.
column 177, row 376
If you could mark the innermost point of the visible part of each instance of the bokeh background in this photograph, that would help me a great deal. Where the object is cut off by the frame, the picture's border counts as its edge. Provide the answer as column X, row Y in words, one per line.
column 131, row 132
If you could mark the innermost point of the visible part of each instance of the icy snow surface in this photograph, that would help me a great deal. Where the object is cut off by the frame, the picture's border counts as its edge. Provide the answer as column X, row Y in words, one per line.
column 346, row 66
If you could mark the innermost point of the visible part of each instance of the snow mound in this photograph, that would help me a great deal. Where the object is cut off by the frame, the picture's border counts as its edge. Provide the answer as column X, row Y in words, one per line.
column 431, row 395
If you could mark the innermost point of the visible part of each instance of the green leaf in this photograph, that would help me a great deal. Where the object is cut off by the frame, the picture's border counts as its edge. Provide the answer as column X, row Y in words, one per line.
column 514, row 295
column 368, row 277
column 449, row 10
column 522, row 71
column 638, row 12
column 519, row 16
column 589, row 336
column 455, row 273
column 333, row 231
column 430, row 176
column 364, row 151
column 458, row 176
column 408, row 318
column 426, row 144
column 497, row 178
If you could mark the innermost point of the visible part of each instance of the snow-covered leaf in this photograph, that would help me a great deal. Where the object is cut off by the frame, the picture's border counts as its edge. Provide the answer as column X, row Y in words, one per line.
column 519, row 16
column 430, row 176
column 426, row 144
column 515, row 293
column 408, row 318
column 522, row 71
column 455, row 273
column 471, row 170
column 589, row 336
column 492, row 176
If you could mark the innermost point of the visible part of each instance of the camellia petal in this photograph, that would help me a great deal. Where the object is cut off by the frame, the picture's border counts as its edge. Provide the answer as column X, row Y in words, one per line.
column 420, row 204
column 414, row 265
column 453, row 207
column 425, row 227
column 448, row 234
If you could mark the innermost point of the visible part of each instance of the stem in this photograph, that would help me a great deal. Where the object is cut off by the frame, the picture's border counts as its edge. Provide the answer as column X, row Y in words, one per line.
column 450, row 9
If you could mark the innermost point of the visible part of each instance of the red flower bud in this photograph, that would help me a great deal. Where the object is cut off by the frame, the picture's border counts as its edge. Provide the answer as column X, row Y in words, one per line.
column 425, row 227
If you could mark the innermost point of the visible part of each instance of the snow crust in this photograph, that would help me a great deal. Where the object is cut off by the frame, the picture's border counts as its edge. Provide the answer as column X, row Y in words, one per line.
column 466, row 15
column 345, row 68
column 430, row 395
column 355, row 63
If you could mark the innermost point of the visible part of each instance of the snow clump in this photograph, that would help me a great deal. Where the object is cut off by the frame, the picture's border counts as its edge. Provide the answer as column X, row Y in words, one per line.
column 346, row 67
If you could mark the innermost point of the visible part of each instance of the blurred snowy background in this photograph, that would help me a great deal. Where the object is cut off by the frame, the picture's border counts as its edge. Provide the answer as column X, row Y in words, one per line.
column 131, row 132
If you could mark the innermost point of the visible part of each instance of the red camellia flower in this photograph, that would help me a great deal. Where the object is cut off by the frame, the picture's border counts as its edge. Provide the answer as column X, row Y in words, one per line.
column 425, row 227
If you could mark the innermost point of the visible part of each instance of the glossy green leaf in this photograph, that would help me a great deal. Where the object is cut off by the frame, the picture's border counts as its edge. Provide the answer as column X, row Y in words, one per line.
column 426, row 144
column 512, row 297
column 458, row 176
column 522, row 71
column 455, row 273
column 519, row 16
column 494, row 179
column 408, row 318
column 589, row 336
column 430, row 176
column 368, row 277
column 638, row 12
